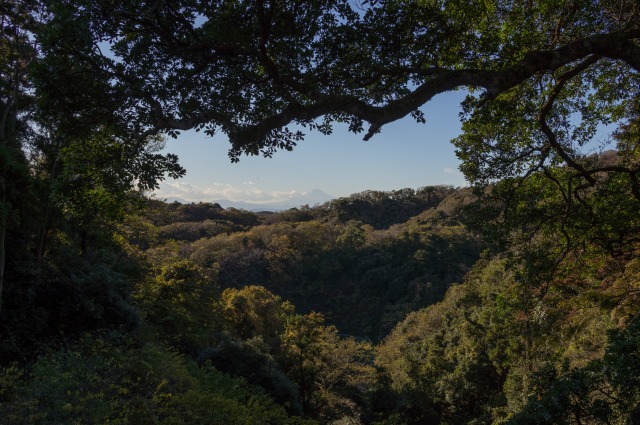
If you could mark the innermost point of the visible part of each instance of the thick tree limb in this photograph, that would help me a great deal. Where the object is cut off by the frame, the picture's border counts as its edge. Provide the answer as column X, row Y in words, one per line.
column 617, row 46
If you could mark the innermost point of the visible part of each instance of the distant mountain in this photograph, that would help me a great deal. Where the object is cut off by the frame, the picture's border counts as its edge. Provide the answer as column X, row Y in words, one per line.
column 254, row 199
column 311, row 198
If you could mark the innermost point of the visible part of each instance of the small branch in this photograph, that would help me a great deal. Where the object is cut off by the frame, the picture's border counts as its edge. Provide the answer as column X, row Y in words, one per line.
column 546, row 109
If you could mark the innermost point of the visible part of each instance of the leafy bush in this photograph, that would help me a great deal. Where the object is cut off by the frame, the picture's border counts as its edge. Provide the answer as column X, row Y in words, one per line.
column 112, row 378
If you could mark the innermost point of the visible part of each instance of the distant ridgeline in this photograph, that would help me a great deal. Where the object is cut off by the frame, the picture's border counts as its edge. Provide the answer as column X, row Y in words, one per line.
column 363, row 261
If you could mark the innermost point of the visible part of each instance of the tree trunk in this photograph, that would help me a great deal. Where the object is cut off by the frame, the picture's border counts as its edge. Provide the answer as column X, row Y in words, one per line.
column 84, row 242
column 3, row 231
column 45, row 228
column 4, row 218
column 41, row 243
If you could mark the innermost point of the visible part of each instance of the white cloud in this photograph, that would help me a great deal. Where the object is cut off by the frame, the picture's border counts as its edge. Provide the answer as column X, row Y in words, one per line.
column 221, row 191
column 452, row 171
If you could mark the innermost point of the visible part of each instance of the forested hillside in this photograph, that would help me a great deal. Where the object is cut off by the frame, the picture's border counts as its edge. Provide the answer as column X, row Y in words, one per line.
column 361, row 261
column 514, row 300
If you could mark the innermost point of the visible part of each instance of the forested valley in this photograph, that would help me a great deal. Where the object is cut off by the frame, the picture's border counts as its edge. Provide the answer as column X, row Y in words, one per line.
column 514, row 300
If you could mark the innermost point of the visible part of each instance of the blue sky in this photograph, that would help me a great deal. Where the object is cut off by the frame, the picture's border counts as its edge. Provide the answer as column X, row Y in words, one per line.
column 404, row 154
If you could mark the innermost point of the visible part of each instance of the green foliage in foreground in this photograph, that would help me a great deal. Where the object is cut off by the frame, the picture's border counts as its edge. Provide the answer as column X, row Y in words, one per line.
column 606, row 390
column 493, row 352
column 127, row 379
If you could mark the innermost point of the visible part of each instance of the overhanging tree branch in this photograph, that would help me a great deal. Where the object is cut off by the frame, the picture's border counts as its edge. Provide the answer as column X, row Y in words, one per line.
column 617, row 46
column 250, row 70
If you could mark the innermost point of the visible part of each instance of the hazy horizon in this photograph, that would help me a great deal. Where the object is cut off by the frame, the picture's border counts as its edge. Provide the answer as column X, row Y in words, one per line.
column 405, row 154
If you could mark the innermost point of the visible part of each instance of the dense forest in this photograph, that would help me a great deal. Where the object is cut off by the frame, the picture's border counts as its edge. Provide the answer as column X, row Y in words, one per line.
column 514, row 300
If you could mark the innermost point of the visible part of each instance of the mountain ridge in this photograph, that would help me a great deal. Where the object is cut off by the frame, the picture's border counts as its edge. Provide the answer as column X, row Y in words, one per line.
column 311, row 198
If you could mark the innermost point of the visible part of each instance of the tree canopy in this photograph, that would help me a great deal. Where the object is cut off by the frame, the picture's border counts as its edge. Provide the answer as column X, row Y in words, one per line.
column 253, row 68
